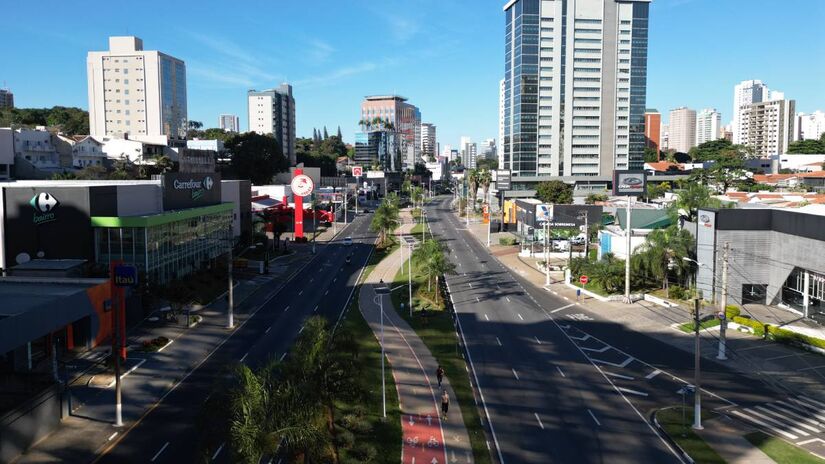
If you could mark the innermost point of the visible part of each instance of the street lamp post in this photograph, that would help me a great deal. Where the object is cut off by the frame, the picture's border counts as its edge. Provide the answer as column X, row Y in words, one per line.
column 489, row 216
column 697, row 396
column 230, row 323
column 380, row 292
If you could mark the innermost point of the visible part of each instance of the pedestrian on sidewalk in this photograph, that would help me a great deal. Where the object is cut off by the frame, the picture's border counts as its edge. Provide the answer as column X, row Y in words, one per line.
column 445, row 404
column 439, row 373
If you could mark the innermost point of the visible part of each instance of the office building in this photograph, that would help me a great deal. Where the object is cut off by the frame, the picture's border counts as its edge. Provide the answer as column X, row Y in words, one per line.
column 708, row 125
column 469, row 152
column 653, row 127
column 745, row 93
column 767, row 127
column 487, row 149
column 272, row 112
column 392, row 113
column 229, row 123
column 136, row 93
column 665, row 137
column 575, row 86
column 810, row 126
column 429, row 145
column 682, row 126
column 500, row 121
column 6, row 98
column 379, row 149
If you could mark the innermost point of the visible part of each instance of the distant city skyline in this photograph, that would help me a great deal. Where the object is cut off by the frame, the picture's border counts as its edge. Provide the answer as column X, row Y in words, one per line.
column 229, row 53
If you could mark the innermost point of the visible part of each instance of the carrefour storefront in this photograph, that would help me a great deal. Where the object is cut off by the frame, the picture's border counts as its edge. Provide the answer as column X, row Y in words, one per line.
column 167, row 227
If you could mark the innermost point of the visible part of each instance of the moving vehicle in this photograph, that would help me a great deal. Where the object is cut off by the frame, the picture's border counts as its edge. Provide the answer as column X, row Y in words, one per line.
column 347, row 241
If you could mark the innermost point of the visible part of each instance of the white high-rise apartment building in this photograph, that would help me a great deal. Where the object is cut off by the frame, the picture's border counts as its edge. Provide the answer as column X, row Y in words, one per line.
column 487, row 149
column 429, row 145
column 768, row 127
column 272, row 112
column 810, row 126
column 682, row 129
column 229, row 123
column 575, row 86
column 708, row 125
column 136, row 93
column 500, row 121
column 744, row 94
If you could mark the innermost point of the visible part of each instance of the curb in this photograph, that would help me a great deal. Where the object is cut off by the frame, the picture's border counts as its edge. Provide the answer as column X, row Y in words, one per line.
column 668, row 438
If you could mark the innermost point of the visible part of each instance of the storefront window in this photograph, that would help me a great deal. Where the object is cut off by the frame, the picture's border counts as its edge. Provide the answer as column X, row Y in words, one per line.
column 793, row 292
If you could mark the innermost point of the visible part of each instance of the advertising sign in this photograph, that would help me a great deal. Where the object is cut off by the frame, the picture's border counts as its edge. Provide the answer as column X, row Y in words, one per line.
column 502, row 179
column 375, row 174
column 568, row 216
column 544, row 213
column 43, row 204
column 190, row 190
column 357, row 171
column 629, row 182
column 301, row 185
column 126, row 276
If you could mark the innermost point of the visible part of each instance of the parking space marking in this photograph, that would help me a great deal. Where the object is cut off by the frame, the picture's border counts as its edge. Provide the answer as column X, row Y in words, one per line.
column 560, row 371
column 618, row 376
column 594, row 418
column 632, row 392
column 623, row 364
column 653, row 374
column 597, row 350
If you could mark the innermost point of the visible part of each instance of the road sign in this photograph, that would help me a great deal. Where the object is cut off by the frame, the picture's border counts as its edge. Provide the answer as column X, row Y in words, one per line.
column 302, row 185
column 584, row 279
column 126, row 276
column 720, row 315
column 357, row 171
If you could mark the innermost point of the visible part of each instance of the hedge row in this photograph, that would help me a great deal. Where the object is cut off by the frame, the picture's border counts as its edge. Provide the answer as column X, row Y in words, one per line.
column 772, row 332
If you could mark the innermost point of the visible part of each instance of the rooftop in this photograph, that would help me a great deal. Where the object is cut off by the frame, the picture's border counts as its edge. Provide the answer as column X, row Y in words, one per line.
column 384, row 97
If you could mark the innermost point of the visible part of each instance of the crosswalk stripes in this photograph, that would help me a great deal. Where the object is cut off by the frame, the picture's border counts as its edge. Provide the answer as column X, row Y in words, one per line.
column 792, row 418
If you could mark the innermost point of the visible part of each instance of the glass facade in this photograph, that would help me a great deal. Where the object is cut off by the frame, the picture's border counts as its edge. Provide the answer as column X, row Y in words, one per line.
column 173, row 97
column 638, row 85
column 521, row 87
column 163, row 248
column 793, row 292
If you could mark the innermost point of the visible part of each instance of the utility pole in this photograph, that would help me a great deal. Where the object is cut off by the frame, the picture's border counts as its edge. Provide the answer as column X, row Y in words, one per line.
column 116, row 354
column 628, row 233
column 356, row 195
column 230, row 323
column 409, row 277
column 314, row 221
column 345, row 204
column 546, row 254
column 489, row 216
column 697, row 394
column 586, row 233
column 723, row 303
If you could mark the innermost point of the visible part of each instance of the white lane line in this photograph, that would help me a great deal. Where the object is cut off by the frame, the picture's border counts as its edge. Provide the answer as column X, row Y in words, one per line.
column 787, row 419
column 763, row 424
column 623, row 364
column 812, row 440
column 594, row 418
column 477, row 300
column 554, row 292
column 539, row 419
column 560, row 371
column 632, row 392
column 471, row 285
column 268, row 329
column 619, row 376
column 112, row 436
column 519, row 316
column 302, row 329
column 301, row 292
column 286, row 309
column 335, row 280
column 775, row 421
column 316, row 309
column 498, row 341
column 562, row 308
column 653, row 374
column 486, row 317
column 568, row 299
column 160, row 451
column 515, row 374
column 508, row 298
column 795, row 414
column 597, row 350
column 220, row 448
column 282, row 357
column 326, row 292
column 244, row 356
column 538, row 341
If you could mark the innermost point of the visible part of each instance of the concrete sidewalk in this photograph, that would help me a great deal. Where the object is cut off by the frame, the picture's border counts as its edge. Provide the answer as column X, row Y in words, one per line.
column 89, row 428
column 425, row 435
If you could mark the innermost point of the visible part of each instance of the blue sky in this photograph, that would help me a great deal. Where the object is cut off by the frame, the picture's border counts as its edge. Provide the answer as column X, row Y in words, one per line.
column 446, row 56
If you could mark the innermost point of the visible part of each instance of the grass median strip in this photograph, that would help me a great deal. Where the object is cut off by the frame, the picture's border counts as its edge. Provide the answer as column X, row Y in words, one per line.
column 677, row 426
column 781, row 451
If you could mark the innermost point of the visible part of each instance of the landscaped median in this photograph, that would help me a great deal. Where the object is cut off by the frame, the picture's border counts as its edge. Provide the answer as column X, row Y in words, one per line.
column 675, row 422
column 781, row 451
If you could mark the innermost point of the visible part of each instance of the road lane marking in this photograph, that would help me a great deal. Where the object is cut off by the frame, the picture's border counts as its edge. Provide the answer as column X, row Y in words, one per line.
column 632, row 392
column 619, row 376
column 486, row 317
column 302, row 329
column 220, row 448
column 471, row 285
column 538, row 341
column 594, row 418
column 763, row 424
column 562, row 308
column 623, row 363
column 597, row 350
column 286, row 309
column 268, row 329
column 785, row 418
column 282, row 357
column 316, row 309
column 568, row 299
column 112, row 436
column 560, row 371
column 515, row 374
column 335, row 280
column 301, row 292
column 244, row 356
column 519, row 316
column 653, row 374
column 477, row 300
column 498, row 341
column 326, row 292
column 539, row 419
column 508, row 298
column 162, row 448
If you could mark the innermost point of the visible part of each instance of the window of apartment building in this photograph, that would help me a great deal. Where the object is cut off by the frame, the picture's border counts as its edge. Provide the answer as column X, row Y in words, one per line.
column 586, row 41
column 625, row 23
column 624, row 61
column 588, row 31
column 587, row 69
column 587, row 60
column 624, row 32
column 624, row 42
column 588, row 21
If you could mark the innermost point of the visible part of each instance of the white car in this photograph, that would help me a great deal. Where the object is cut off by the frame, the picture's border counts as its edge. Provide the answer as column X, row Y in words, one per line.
column 348, row 241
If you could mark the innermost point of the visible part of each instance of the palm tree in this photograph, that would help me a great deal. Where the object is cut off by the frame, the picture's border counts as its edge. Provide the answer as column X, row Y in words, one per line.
column 690, row 199
column 485, row 178
column 473, row 180
column 384, row 221
column 663, row 251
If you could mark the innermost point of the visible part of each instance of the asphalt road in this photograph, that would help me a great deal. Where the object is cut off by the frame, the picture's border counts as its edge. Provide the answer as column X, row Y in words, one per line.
column 561, row 383
column 168, row 434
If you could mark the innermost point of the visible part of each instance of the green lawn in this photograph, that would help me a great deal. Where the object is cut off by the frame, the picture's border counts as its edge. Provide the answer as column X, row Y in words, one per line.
column 591, row 286
column 671, row 420
column 689, row 327
column 438, row 333
column 781, row 451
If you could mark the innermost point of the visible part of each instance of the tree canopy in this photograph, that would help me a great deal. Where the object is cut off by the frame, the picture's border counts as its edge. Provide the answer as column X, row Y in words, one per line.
column 808, row 147
column 256, row 157
column 70, row 120
column 555, row 192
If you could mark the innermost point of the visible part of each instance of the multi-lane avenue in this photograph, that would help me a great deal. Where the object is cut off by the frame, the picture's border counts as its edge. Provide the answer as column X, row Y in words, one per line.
column 168, row 433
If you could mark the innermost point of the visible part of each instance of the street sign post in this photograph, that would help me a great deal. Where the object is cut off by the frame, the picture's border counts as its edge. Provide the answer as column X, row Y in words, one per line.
column 584, row 279
column 302, row 185
column 357, row 171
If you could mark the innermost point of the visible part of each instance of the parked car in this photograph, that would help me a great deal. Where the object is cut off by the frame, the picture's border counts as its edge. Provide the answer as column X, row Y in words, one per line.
column 347, row 241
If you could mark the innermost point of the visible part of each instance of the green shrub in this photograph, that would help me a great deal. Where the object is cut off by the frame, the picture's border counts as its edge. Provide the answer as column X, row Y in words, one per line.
column 677, row 292
column 732, row 311
column 359, row 410
column 506, row 241
column 360, row 426
column 344, row 438
column 364, row 451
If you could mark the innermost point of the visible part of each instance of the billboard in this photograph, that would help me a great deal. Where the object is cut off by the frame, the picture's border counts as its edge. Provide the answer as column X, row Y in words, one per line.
column 502, row 179
column 630, row 183
column 568, row 216
column 190, row 190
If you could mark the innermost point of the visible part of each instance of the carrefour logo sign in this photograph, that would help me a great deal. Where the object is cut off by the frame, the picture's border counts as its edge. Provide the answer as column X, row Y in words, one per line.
column 198, row 187
column 44, row 205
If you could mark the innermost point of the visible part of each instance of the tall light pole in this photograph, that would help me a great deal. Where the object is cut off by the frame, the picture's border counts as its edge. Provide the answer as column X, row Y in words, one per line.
column 230, row 322
column 380, row 292
column 723, row 304
column 489, row 216
column 697, row 395
column 628, row 233
column 546, row 254
column 409, row 277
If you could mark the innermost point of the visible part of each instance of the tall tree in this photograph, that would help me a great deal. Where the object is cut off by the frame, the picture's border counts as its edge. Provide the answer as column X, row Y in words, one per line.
column 256, row 157
column 384, row 221
column 555, row 192
column 315, row 136
column 690, row 199
column 340, row 137
column 485, row 178
column 326, row 135
column 663, row 251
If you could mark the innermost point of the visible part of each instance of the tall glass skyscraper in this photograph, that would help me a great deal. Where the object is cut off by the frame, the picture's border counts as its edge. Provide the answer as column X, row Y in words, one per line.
column 575, row 82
